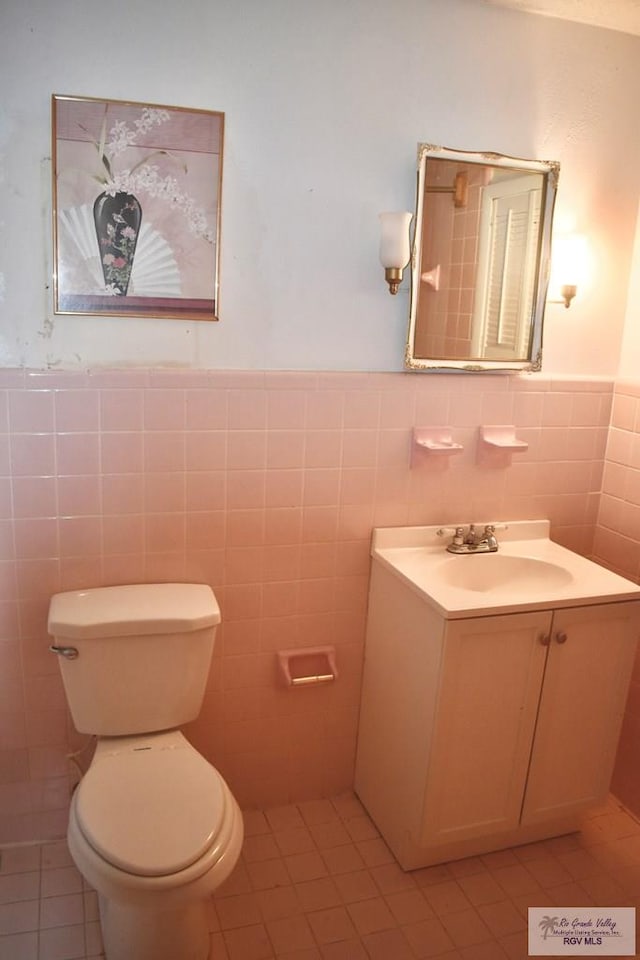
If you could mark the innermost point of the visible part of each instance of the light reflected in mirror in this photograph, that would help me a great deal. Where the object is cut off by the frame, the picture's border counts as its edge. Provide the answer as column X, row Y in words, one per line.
column 480, row 260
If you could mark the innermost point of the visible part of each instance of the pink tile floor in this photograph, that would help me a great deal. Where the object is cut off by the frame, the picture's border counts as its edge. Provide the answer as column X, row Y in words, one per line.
column 317, row 882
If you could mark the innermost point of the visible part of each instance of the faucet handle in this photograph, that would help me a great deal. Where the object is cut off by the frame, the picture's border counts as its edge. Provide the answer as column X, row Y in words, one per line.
column 458, row 533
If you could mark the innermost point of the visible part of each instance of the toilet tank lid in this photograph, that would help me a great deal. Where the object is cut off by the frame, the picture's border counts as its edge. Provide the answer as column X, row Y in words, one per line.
column 141, row 609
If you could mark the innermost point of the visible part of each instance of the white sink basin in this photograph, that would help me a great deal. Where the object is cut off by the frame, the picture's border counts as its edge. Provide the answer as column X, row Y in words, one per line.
column 528, row 572
column 497, row 571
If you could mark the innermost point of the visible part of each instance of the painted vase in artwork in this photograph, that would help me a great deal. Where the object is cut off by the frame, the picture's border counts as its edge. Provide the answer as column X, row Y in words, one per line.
column 117, row 218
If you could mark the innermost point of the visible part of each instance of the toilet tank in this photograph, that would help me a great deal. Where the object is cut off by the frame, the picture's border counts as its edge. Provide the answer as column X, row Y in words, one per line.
column 143, row 654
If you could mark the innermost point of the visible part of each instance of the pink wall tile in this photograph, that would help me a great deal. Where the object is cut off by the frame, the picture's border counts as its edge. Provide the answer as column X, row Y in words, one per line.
column 206, row 491
column 4, row 410
column 245, row 489
column 123, row 535
column 34, row 496
column 244, row 565
column 588, row 410
column 164, row 451
column 206, row 409
column 78, row 572
column 360, row 448
column 557, row 409
column 362, row 410
column 165, row 567
column 35, row 538
column 78, row 453
column 122, row 452
column 617, row 545
column 246, row 450
column 285, row 410
column 283, row 525
column 281, row 562
column 321, row 487
column 121, row 409
column 124, row 568
column 79, row 496
column 247, row 410
column 245, row 528
column 285, row 449
column 323, row 448
column 80, row 536
column 357, row 486
column 32, row 455
column 8, row 595
column 31, row 411
column 6, row 460
column 37, row 578
column 205, row 530
column 283, row 488
column 163, row 409
column 279, row 599
column 206, row 451
column 164, row 492
column 325, row 410
column 164, row 533
column 266, row 486
column 122, row 493
column 242, row 601
column 397, row 407
column 319, row 523
column 624, row 411
column 77, row 411
column 33, row 618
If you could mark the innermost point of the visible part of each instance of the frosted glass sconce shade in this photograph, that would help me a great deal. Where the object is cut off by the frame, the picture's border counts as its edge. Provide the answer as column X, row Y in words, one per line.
column 395, row 249
column 568, row 266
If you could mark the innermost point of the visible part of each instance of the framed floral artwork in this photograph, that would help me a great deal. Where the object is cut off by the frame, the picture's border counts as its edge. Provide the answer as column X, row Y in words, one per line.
column 136, row 209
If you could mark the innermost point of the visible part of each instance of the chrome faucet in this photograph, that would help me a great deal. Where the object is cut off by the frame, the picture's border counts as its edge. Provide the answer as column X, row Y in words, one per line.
column 472, row 541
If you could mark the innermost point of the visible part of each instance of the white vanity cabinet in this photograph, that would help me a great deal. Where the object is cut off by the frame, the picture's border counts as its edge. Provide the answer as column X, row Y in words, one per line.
column 484, row 732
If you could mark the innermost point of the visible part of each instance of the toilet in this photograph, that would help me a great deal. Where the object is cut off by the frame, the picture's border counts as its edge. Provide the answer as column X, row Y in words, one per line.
column 153, row 827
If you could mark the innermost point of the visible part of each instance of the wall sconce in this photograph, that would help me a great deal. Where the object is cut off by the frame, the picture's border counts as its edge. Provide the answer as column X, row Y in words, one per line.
column 568, row 265
column 395, row 249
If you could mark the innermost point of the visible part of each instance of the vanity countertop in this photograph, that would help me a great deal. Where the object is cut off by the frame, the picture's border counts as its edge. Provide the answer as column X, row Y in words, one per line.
column 528, row 572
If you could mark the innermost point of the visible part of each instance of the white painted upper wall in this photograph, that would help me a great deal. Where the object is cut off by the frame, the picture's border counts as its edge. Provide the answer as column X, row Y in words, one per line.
column 325, row 103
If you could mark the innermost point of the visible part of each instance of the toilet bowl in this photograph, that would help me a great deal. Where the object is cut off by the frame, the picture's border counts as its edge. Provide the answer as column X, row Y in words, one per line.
column 155, row 830
column 153, row 827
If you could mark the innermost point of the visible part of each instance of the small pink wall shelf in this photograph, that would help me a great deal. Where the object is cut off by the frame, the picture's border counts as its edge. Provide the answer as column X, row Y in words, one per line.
column 498, row 443
column 308, row 665
column 434, row 442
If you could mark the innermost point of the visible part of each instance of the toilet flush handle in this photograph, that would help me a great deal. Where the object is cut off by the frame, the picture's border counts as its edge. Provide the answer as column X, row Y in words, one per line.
column 70, row 653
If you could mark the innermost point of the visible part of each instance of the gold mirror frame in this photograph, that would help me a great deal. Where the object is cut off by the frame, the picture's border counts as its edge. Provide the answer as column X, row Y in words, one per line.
column 426, row 278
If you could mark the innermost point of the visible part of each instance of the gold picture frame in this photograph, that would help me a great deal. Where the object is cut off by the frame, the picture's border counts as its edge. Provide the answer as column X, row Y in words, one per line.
column 136, row 209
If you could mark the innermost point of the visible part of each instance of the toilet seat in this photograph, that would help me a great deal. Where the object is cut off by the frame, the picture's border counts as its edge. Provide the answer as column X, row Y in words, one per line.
column 151, row 806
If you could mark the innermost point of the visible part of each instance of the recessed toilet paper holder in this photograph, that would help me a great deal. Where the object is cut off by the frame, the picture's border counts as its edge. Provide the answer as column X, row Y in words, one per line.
column 308, row 665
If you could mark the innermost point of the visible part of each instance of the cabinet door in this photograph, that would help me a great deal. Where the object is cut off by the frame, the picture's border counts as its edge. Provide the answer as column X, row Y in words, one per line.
column 583, row 697
column 490, row 686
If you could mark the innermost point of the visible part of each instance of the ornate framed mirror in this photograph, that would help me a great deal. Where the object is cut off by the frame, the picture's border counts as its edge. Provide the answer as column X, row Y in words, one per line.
column 480, row 261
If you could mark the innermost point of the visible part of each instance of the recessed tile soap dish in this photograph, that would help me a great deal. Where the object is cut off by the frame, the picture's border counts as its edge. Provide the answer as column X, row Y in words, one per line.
column 434, row 441
column 502, row 437
column 497, row 444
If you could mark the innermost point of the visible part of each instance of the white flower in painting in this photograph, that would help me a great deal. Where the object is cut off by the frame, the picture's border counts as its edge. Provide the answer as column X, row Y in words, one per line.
column 145, row 177
column 121, row 137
